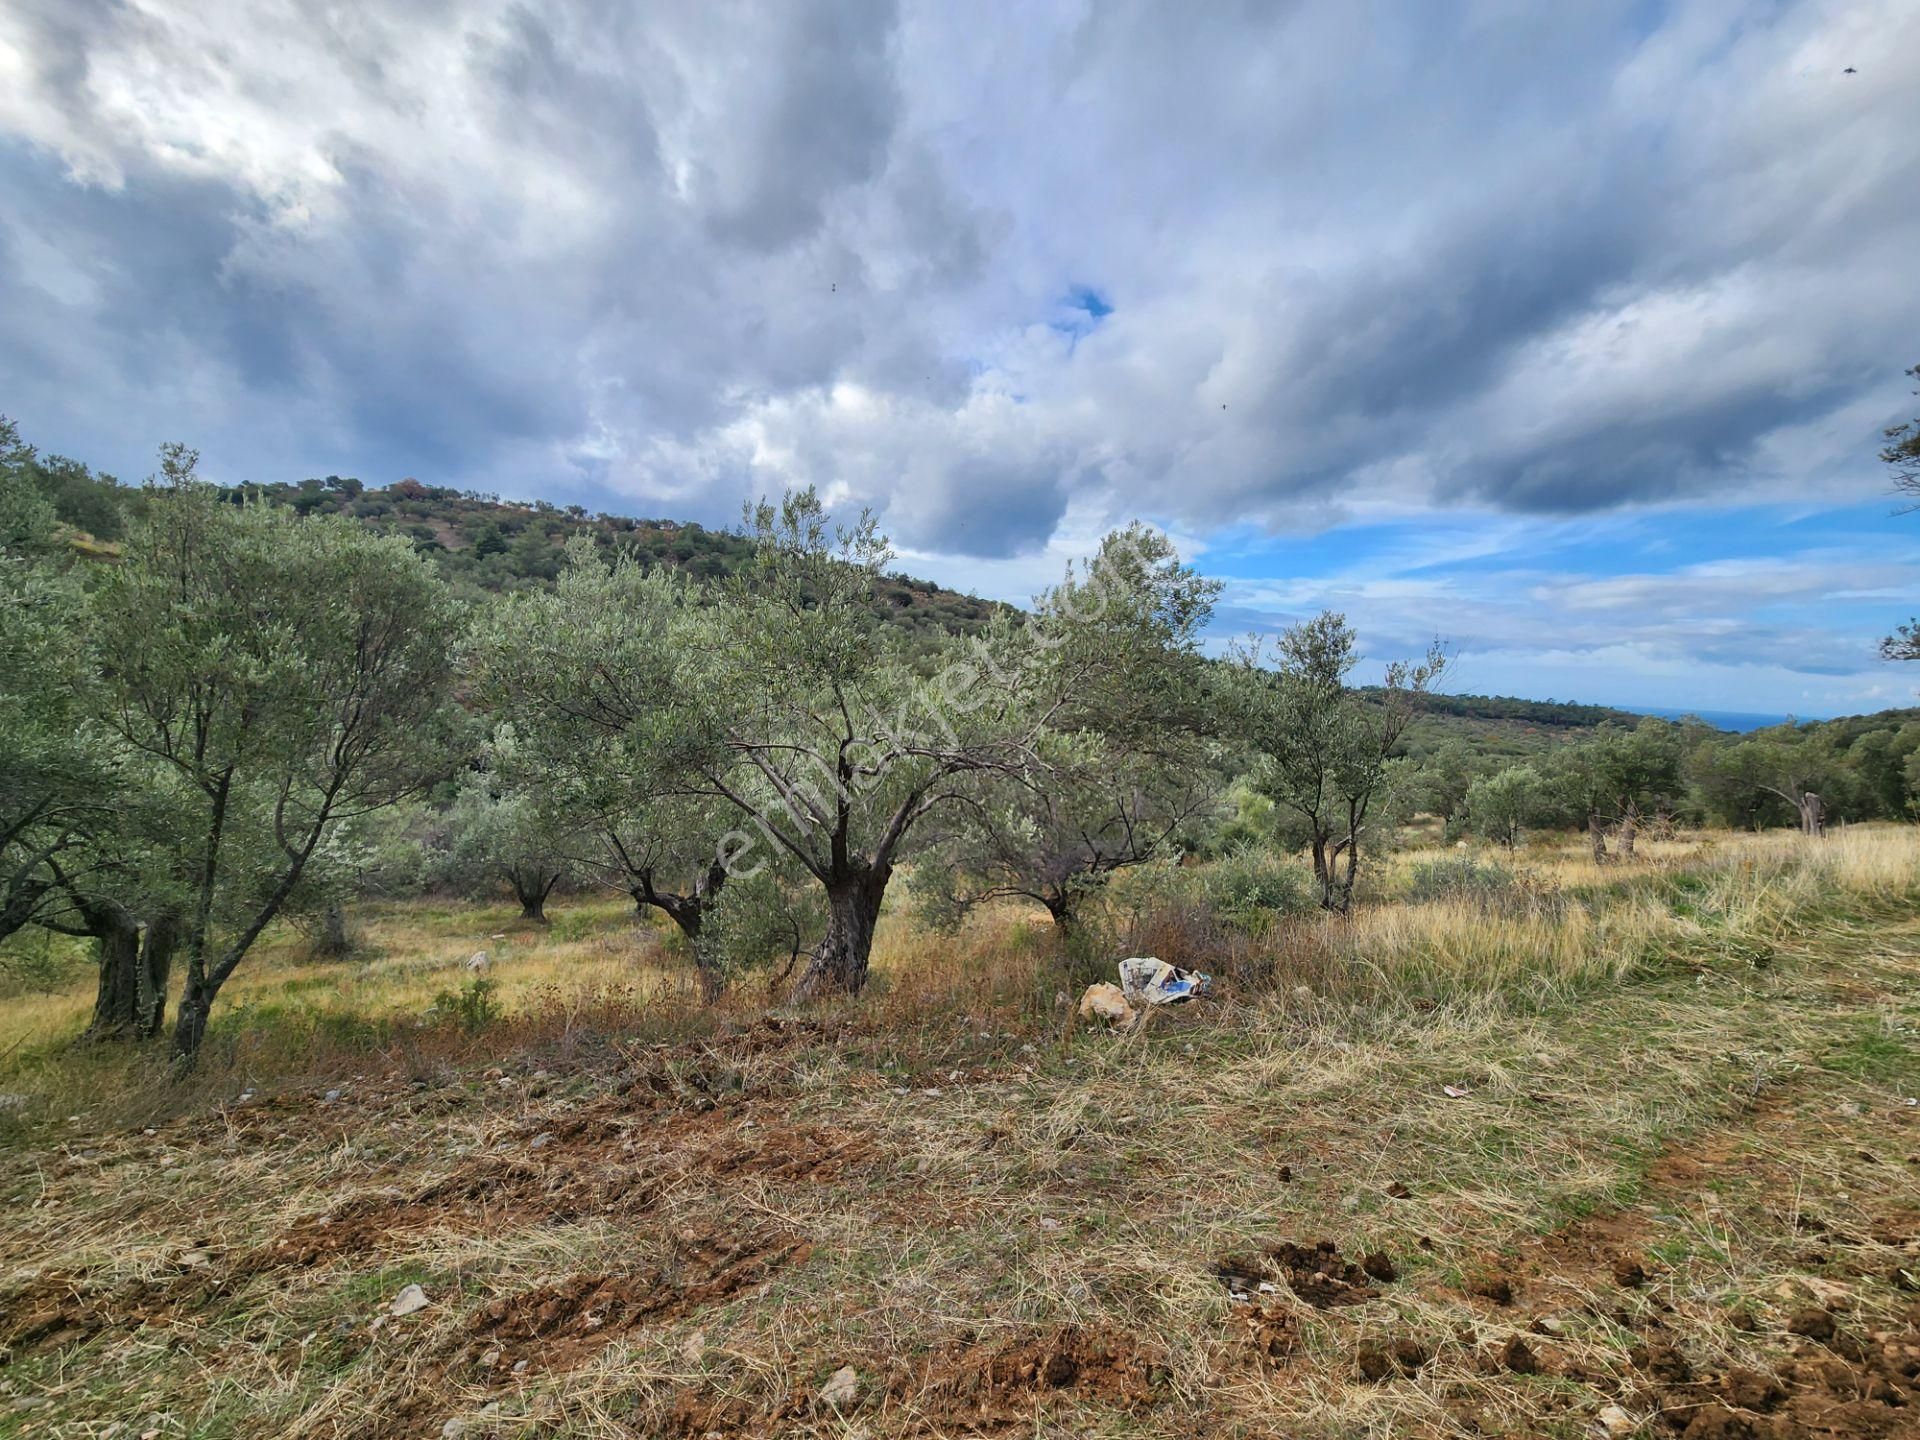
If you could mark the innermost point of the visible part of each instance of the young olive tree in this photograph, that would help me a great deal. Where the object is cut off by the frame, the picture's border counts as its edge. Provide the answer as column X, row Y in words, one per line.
column 1322, row 748
column 289, row 675
column 1614, row 779
column 838, row 748
column 1499, row 805
column 1125, row 767
column 589, row 675
column 502, row 829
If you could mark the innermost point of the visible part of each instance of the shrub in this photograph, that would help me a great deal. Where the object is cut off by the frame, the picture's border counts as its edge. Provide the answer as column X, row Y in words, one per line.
column 1251, row 889
column 1458, row 878
column 473, row 1005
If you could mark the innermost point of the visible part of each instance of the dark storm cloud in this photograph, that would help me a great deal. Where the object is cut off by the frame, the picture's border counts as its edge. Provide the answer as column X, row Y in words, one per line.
column 1355, row 259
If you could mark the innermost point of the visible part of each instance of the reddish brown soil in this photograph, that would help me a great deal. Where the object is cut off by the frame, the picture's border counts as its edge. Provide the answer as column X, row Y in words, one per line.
column 559, row 1325
column 1316, row 1273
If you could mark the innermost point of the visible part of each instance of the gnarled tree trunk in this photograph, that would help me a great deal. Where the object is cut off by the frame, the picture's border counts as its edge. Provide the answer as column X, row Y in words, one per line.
column 1629, row 829
column 116, row 1004
column 1597, row 834
column 156, row 964
column 839, row 966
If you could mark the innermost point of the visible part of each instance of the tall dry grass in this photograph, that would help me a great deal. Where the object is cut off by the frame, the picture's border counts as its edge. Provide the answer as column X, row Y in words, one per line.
column 1555, row 925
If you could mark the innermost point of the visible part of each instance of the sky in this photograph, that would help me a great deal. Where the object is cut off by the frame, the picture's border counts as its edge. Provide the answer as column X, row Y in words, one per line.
column 1563, row 333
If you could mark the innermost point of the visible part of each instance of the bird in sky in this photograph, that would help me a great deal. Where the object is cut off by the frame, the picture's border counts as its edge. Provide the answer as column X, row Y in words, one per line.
column 1849, row 71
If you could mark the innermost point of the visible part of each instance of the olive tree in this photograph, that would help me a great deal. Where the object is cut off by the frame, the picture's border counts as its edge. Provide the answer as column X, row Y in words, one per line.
column 1497, row 806
column 1323, row 748
column 502, row 829
column 782, row 697
column 589, row 674
column 1125, row 766
column 288, row 675
column 57, row 770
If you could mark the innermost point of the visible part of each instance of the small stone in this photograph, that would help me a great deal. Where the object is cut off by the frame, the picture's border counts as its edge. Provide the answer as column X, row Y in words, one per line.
column 331, row 1096
column 842, row 1388
column 490, row 1359
column 519, row 1367
column 694, row 1347
column 541, row 1141
column 1615, row 1421
column 451, row 1429
column 409, row 1300
column 477, row 961
column 194, row 1259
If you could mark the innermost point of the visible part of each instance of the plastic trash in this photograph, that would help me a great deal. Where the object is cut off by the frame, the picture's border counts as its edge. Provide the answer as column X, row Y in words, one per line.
column 1149, row 981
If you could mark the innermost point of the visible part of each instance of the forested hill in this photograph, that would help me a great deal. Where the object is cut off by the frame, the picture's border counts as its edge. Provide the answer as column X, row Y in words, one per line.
column 481, row 542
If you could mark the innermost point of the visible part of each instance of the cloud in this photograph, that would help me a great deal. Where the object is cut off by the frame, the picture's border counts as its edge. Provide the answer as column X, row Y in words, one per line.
column 1479, row 269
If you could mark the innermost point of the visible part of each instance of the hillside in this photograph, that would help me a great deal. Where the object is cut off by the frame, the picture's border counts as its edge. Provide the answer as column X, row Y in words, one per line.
column 484, row 543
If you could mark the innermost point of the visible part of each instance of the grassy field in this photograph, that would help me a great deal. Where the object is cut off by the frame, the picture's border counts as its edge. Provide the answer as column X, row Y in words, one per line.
column 1630, row 1151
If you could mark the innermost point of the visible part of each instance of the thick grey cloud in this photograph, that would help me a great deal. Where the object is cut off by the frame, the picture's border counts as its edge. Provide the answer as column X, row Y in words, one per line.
column 1343, row 261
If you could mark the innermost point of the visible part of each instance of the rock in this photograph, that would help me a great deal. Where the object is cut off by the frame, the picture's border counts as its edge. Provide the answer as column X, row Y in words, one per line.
column 519, row 1367
column 451, row 1429
column 408, row 1301
column 478, row 961
column 1615, row 1421
column 541, row 1141
column 842, row 1388
column 1104, row 1001
column 194, row 1259
column 694, row 1347
column 331, row 1096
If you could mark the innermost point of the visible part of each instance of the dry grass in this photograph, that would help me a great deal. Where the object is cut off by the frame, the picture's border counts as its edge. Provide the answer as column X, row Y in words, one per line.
column 1682, row 1062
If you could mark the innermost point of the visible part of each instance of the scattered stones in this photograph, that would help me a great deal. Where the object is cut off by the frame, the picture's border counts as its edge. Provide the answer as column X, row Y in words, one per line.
column 843, row 1387
column 408, row 1301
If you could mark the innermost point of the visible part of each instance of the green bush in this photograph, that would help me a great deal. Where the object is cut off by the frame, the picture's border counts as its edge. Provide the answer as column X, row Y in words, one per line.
column 1251, row 889
column 473, row 1005
column 1459, row 878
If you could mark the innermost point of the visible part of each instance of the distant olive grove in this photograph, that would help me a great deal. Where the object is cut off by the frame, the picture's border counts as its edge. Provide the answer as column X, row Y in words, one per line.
column 223, row 709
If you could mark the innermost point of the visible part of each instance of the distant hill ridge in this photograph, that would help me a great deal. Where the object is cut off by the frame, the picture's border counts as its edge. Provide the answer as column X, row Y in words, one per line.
column 483, row 543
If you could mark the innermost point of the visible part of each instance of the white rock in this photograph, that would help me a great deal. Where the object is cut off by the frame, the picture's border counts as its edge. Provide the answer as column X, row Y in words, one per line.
column 1615, row 1421
column 541, row 1141
column 409, row 1300
column 694, row 1347
column 477, row 961
column 842, row 1387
